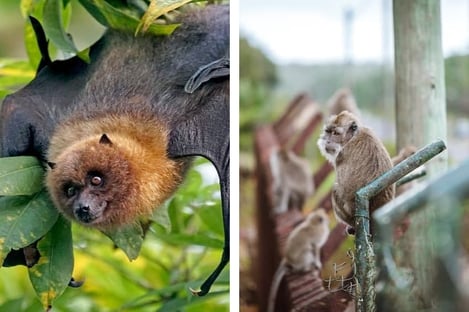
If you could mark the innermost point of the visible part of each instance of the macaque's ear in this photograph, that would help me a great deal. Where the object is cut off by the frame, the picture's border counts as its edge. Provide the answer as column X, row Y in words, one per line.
column 105, row 140
column 51, row 164
column 217, row 69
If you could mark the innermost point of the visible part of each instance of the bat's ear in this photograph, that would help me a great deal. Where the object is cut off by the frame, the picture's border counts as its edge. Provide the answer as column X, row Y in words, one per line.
column 105, row 140
column 217, row 69
column 51, row 164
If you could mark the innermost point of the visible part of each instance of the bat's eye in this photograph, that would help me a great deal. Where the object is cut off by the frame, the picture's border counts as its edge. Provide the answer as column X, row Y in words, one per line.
column 96, row 180
column 70, row 191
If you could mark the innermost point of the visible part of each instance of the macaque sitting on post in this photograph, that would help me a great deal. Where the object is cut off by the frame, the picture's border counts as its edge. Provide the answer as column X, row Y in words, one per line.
column 358, row 157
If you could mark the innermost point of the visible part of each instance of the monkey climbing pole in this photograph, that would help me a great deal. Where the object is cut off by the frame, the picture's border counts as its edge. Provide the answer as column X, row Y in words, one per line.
column 365, row 268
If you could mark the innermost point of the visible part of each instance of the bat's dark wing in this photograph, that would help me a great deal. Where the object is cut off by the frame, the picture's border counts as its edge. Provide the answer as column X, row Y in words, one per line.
column 26, row 119
column 207, row 134
column 27, row 116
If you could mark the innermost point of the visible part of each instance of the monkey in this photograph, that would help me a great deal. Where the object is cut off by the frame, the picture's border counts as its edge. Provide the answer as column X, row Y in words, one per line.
column 342, row 99
column 403, row 154
column 358, row 157
column 292, row 180
column 302, row 250
column 118, row 134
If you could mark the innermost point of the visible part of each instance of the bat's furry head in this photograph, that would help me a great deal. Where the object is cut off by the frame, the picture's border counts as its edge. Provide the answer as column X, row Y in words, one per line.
column 109, row 180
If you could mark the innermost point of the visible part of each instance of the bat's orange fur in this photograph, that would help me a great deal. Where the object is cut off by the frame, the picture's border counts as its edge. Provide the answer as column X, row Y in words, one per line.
column 141, row 175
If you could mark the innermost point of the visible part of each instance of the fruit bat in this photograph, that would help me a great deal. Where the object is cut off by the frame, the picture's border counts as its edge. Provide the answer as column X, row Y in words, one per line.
column 118, row 132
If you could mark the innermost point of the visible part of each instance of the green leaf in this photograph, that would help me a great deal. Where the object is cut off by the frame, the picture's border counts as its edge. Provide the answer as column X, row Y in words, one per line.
column 26, row 7
column 32, row 49
column 25, row 219
column 54, row 26
column 190, row 239
column 175, row 215
column 156, row 9
column 128, row 238
column 169, row 290
column 161, row 216
column 211, row 216
column 12, row 305
column 32, row 8
column 15, row 73
column 51, row 275
column 4, row 93
column 115, row 18
column 183, row 304
column 22, row 175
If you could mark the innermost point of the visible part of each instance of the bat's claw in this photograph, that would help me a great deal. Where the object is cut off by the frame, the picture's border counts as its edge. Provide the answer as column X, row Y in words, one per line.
column 198, row 293
column 75, row 284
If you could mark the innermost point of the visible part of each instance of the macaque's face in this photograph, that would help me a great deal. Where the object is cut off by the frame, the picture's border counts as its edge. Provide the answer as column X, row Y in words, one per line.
column 337, row 132
column 318, row 217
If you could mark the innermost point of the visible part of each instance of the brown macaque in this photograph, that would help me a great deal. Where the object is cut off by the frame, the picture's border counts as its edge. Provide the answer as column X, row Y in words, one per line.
column 342, row 100
column 302, row 250
column 358, row 157
column 292, row 180
column 404, row 153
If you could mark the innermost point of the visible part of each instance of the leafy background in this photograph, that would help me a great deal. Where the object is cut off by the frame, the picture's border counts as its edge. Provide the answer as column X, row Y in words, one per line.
column 181, row 247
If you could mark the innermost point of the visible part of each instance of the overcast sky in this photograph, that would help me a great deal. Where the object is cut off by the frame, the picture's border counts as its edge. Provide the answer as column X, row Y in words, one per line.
column 308, row 31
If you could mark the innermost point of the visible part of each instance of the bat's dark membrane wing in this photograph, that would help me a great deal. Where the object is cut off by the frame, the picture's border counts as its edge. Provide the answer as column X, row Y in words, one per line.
column 207, row 135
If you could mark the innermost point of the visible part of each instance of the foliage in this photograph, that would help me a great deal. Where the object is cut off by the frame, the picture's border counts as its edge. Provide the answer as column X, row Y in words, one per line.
column 142, row 16
column 171, row 260
column 371, row 84
column 183, row 241
column 258, row 76
column 255, row 66
column 457, row 82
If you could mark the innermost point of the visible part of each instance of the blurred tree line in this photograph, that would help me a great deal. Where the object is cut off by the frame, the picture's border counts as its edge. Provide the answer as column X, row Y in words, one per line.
column 258, row 77
column 457, row 83
column 266, row 88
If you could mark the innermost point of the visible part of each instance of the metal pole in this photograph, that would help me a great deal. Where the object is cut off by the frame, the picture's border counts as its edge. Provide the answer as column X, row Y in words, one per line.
column 365, row 258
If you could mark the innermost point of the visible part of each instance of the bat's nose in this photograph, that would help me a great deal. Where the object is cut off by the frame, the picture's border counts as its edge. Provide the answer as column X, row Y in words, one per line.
column 82, row 213
column 84, row 209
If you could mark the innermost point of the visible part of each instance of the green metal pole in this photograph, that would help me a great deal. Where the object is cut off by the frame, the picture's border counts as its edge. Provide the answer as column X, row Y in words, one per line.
column 365, row 258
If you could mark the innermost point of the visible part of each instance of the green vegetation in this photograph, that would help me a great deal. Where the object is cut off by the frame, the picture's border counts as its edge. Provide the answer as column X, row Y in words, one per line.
column 144, row 267
column 258, row 76
column 181, row 247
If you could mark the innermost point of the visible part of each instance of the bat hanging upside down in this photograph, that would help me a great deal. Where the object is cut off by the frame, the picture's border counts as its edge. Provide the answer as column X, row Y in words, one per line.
column 118, row 133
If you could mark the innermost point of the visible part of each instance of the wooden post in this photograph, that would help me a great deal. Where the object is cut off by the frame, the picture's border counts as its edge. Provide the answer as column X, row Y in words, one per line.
column 420, row 88
column 420, row 119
